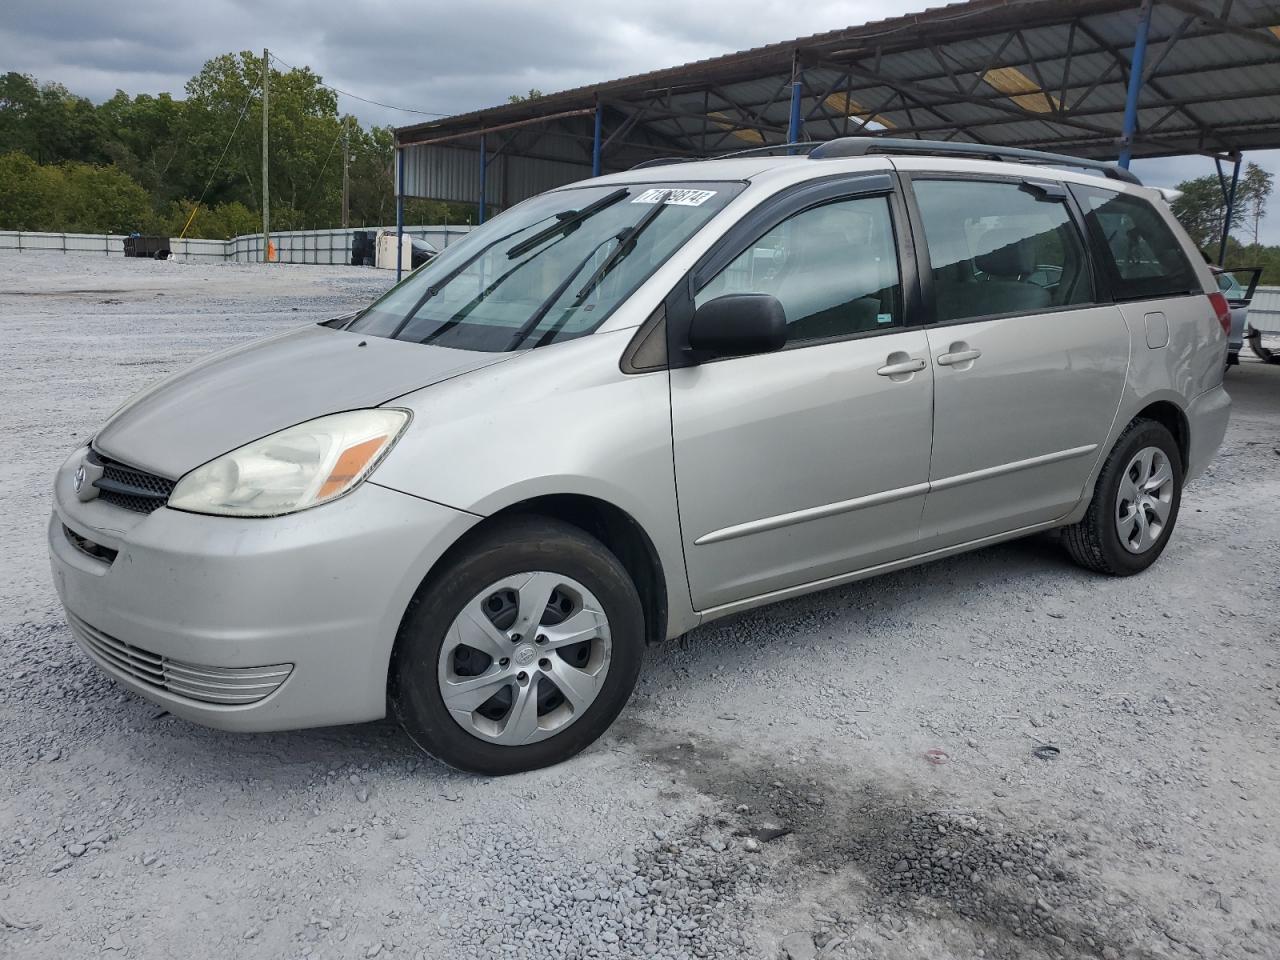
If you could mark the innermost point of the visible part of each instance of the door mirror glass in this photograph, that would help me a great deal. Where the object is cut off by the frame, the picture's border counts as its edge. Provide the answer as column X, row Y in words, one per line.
column 739, row 324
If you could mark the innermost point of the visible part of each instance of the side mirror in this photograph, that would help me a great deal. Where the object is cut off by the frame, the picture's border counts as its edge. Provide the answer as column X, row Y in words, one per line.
column 739, row 324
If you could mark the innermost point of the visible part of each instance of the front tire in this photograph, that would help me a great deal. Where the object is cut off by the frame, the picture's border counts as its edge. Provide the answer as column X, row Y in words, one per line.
column 1135, row 504
column 520, row 651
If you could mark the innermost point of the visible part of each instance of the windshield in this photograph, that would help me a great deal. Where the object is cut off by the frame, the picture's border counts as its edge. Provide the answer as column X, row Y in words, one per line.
column 550, row 269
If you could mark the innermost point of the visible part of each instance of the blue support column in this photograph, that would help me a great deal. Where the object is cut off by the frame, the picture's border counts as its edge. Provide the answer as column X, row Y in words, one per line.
column 484, row 166
column 595, row 142
column 1231, row 204
column 796, row 128
column 399, row 213
column 1136, row 66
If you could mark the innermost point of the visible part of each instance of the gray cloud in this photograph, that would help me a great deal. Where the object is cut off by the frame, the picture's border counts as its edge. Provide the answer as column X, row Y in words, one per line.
column 441, row 57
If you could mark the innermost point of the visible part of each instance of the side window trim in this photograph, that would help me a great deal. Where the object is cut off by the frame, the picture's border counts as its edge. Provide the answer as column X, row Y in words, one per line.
column 765, row 217
column 924, row 265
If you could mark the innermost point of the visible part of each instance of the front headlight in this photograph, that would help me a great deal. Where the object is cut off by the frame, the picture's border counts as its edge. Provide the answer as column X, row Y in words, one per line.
column 298, row 467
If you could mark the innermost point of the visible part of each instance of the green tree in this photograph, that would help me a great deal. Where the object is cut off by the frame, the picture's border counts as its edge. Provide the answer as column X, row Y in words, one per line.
column 1202, row 208
column 28, row 193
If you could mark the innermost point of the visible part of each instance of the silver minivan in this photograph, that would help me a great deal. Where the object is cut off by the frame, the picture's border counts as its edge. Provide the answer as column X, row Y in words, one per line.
column 630, row 406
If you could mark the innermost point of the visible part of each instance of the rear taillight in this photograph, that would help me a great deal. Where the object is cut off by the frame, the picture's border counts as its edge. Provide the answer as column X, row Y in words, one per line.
column 1222, row 309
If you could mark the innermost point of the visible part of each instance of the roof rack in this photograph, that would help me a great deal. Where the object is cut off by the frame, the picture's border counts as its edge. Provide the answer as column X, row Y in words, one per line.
column 796, row 146
column 861, row 146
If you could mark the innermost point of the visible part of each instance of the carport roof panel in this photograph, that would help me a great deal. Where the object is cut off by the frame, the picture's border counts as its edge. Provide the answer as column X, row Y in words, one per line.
column 1049, row 74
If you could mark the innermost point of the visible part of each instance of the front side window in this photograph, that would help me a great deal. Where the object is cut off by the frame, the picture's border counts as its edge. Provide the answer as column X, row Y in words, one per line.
column 997, row 248
column 833, row 267
column 1146, row 259
column 550, row 269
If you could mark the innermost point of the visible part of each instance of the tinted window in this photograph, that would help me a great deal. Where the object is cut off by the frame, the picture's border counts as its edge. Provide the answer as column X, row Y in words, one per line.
column 997, row 249
column 549, row 269
column 1146, row 259
column 833, row 267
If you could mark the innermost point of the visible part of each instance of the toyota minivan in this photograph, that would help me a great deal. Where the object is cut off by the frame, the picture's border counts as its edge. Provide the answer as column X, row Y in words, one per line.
column 629, row 406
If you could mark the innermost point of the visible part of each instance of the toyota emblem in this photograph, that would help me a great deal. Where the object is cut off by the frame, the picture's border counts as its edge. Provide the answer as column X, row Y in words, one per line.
column 79, row 478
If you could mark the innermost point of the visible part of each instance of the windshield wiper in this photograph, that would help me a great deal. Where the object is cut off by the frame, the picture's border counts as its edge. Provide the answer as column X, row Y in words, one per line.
column 545, row 306
column 435, row 288
column 626, row 243
column 569, row 221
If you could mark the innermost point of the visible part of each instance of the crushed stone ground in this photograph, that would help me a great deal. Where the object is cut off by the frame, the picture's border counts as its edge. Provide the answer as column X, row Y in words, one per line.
column 768, row 793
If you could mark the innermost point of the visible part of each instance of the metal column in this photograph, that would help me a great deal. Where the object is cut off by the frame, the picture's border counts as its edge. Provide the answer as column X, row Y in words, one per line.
column 399, row 213
column 795, row 129
column 1136, row 66
column 595, row 143
column 1228, row 194
column 484, row 166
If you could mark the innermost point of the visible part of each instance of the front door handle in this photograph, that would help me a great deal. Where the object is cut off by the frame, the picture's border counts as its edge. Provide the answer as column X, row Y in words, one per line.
column 959, row 353
column 899, row 368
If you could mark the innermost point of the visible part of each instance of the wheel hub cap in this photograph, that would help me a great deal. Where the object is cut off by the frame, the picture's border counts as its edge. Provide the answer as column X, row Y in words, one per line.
column 1144, row 500
column 524, row 658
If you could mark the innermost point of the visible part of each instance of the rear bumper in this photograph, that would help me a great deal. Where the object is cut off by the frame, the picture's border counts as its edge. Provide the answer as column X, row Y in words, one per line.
column 297, row 614
column 1207, row 417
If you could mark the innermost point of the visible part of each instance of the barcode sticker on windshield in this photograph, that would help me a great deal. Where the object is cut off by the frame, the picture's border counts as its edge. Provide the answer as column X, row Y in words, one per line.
column 680, row 198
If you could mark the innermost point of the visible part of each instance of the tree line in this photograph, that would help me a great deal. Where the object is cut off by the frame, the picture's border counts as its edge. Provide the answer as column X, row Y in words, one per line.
column 159, row 164
column 143, row 163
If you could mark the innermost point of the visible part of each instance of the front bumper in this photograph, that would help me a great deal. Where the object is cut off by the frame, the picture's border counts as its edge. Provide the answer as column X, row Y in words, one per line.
column 248, row 624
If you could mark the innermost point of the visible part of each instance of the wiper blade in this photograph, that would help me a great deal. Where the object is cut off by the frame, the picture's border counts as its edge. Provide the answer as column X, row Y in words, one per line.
column 627, row 243
column 545, row 306
column 452, row 275
column 568, row 221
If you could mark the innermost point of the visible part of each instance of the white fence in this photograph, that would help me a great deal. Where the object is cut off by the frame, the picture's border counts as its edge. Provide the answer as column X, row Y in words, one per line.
column 292, row 246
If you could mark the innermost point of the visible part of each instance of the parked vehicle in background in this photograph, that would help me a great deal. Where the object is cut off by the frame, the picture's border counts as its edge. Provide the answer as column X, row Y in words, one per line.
column 632, row 405
column 1237, row 284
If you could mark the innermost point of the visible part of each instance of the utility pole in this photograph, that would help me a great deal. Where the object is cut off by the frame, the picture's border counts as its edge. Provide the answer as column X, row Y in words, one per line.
column 266, row 193
column 346, row 177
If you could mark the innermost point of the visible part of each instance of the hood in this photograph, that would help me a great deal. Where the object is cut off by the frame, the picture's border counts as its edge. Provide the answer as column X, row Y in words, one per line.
column 254, row 390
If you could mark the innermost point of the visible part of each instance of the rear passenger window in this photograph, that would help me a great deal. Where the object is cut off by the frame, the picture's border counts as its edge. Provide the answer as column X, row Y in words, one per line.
column 1146, row 259
column 997, row 249
column 833, row 267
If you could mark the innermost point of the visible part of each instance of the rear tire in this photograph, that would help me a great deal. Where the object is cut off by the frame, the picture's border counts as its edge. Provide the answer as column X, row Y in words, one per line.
column 512, row 690
column 1134, row 506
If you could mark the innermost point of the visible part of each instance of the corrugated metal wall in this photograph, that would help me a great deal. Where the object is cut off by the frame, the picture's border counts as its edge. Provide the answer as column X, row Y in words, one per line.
column 453, row 174
column 1264, row 311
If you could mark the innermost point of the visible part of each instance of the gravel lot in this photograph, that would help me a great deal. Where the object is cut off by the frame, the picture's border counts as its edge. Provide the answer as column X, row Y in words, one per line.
column 769, row 792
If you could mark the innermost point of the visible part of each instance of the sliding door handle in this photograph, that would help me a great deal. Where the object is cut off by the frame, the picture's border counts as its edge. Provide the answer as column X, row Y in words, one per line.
column 965, row 355
column 902, row 367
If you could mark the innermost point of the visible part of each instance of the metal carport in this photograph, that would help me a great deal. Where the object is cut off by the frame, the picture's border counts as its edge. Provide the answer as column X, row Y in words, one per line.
column 1092, row 78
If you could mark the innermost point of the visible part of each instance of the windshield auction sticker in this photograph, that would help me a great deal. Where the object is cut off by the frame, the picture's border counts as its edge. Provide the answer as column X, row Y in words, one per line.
column 680, row 198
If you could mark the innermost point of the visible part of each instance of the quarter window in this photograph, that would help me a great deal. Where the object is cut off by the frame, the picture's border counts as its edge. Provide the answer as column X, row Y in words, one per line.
column 833, row 267
column 1146, row 259
column 998, row 248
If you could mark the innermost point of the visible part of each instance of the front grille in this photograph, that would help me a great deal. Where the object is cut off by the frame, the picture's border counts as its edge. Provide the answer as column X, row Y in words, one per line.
column 129, row 487
column 222, row 685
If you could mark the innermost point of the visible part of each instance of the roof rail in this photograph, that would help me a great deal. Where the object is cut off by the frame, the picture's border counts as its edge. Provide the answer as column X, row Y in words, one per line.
column 796, row 146
column 861, row 146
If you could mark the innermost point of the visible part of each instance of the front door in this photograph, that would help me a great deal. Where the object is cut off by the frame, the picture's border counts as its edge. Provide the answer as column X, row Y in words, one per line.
column 1029, row 367
column 812, row 461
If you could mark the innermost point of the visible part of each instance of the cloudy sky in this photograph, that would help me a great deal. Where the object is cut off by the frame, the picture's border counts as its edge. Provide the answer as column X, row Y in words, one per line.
column 436, row 57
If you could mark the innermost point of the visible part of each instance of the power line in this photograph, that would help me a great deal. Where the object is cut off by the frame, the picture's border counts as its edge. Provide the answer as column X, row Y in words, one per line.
column 376, row 103
column 217, row 165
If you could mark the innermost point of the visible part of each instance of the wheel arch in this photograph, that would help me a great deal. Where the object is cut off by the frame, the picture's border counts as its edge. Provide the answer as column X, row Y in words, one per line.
column 608, row 523
column 1174, row 419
